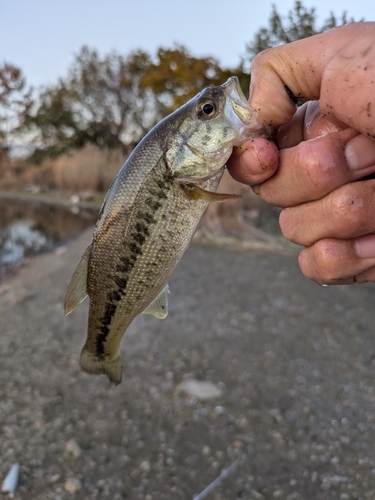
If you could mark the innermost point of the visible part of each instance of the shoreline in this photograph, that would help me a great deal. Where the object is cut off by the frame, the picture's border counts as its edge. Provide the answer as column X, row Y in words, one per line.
column 49, row 199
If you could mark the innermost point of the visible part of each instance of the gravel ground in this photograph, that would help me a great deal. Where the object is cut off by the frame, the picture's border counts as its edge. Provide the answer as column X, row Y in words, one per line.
column 292, row 364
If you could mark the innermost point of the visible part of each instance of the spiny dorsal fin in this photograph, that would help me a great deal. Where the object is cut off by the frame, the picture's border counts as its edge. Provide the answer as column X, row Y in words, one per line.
column 159, row 306
column 77, row 289
column 194, row 192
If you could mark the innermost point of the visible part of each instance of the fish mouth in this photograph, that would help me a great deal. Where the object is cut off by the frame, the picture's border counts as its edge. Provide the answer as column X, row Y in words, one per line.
column 233, row 89
column 237, row 109
column 239, row 113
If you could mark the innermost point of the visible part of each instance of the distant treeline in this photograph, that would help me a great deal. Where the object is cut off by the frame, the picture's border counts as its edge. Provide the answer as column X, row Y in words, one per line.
column 113, row 100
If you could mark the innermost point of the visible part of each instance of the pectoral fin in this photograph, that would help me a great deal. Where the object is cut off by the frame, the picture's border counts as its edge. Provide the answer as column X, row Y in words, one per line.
column 159, row 306
column 194, row 192
column 77, row 289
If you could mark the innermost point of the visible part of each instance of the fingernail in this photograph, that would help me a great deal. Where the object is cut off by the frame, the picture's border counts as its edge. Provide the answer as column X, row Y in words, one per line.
column 365, row 246
column 256, row 189
column 360, row 152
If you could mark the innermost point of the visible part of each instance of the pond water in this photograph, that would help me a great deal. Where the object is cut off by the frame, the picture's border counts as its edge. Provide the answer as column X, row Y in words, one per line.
column 28, row 228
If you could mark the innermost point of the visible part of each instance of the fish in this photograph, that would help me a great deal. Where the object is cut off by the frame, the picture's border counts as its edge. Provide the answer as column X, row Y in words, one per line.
column 150, row 214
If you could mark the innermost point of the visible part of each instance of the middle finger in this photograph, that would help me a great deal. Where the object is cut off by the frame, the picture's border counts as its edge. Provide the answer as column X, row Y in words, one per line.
column 347, row 212
column 314, row 168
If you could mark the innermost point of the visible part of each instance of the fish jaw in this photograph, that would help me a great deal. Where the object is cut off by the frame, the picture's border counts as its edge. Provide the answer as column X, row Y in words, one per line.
column 241, row 116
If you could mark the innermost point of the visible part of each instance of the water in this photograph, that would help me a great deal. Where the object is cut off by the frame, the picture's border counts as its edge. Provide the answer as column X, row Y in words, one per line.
column 28, row 228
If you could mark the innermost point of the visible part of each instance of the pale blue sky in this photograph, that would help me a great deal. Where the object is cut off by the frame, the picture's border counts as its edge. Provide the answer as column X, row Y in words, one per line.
column 41, row 36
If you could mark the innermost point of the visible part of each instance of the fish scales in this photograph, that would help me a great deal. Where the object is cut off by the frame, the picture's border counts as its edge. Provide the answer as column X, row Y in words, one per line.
column 158, row 231
column 149, row 215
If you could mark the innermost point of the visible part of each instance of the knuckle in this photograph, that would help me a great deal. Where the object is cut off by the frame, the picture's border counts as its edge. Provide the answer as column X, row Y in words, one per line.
column 260, row 59
column 287, row 225
column 328, row 261
column 310, row 170
column 354, row 203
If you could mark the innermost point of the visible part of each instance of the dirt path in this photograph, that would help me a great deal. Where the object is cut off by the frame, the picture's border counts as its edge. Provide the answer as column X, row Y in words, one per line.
column 294, row 363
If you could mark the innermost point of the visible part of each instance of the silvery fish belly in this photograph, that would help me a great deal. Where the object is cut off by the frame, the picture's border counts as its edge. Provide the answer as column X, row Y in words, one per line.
column 150, row 214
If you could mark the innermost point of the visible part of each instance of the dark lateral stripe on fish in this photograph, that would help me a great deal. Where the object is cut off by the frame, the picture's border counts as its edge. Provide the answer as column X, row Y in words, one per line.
column 157, row 190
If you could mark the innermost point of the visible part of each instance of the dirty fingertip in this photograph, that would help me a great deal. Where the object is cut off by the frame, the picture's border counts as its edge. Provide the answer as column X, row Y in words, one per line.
column 254, row 162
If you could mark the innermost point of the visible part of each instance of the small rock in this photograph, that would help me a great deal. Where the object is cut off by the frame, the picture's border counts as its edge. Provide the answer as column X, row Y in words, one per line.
column 202, row 390
column 72, row 485
column 145, row 466
column 206, row 450
column 220, row 410
column 53, row 479
column 75, row 198
column 73, row 448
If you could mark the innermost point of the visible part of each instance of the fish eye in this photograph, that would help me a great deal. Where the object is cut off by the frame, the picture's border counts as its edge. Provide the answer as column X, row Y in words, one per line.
column 206, row 109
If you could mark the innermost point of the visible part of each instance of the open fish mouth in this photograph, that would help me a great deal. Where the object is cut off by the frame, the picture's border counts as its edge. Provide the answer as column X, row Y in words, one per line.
column 233, row 89
column 238, row 112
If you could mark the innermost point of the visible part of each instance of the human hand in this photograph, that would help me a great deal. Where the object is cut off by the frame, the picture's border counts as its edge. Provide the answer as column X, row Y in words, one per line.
column 327, row 147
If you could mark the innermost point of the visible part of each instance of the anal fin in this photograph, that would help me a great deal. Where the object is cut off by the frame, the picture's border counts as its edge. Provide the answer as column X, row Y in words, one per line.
column 77, row 289
column 159, row 306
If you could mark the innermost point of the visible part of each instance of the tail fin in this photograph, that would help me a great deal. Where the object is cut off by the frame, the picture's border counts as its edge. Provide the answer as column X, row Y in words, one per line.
column 111, row 367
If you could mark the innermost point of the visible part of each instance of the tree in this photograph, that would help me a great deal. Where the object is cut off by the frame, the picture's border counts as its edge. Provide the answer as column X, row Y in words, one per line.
column 13, row 101
column 176, row 76
column 300, row 22
column 100, row 102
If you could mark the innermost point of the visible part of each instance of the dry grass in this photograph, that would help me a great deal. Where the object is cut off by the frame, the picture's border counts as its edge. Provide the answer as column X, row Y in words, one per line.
column 90, row 169
column 86, row 170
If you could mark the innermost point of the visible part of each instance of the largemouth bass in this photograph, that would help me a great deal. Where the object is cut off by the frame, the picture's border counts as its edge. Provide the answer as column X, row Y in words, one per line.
column 150, row 214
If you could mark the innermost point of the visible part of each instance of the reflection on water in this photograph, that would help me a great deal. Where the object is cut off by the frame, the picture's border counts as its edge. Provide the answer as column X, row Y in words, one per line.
column 27, row 228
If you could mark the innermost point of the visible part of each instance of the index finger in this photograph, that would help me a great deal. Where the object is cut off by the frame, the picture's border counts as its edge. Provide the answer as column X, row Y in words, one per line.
column 298, row 68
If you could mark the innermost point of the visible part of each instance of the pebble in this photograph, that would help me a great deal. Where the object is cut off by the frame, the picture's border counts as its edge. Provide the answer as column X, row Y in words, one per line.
column 72, row 485
column 73, row 448
column 206, row 450
column 202, row 390
column 145, row 466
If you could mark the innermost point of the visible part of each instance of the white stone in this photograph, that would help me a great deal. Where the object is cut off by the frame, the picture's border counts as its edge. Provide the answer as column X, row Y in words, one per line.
column 202, row 390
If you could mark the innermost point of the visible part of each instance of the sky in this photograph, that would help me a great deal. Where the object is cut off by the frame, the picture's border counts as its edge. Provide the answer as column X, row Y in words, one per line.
column 42, row 36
